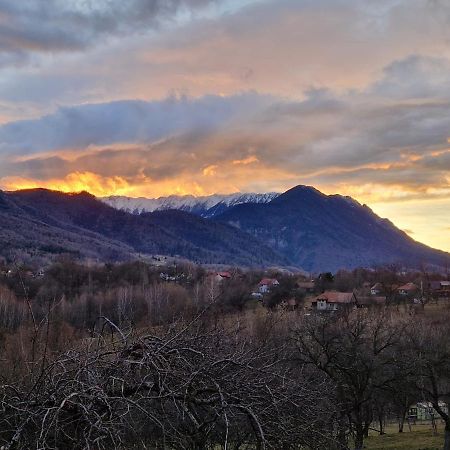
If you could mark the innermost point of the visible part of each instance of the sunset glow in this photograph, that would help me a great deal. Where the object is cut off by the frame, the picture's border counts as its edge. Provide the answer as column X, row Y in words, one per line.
column 250, row 96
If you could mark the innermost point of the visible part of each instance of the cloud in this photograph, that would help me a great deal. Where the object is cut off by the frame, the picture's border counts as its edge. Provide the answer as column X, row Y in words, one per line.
column 415, row 77
column 210, row 171
column 125, row 121
column 65, row 25
column 357, row 142
column 280, row 47
column 73, row 182
column 249, row 160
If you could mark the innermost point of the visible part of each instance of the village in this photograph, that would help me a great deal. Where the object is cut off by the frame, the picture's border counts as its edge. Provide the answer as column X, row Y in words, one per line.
column 318, row 294
column 324, row 293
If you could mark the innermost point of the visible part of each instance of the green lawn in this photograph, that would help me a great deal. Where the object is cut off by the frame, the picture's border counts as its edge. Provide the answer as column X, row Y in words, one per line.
column 420, row 438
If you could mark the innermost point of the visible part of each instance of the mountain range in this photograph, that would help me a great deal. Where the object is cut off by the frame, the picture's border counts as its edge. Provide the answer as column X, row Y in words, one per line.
column 204, row 206
column 301, row 227
column 40, row 222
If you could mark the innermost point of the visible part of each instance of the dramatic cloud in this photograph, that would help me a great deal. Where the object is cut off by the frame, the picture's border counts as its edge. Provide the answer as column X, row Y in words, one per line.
column 66, row 25
column 357, row 142
column 280, row 47
column 152, row 97
column 125, row 121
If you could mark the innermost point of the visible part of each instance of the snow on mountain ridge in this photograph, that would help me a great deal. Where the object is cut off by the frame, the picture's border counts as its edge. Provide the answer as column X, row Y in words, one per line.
column 205, row 206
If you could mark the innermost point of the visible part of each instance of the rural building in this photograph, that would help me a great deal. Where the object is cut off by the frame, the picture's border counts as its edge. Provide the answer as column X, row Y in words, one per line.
column 220, row 276
column 266, row 284
column 333, row 301
column 289, row 304
column 425, row 411
column 408, row 289
column 376, row 289
column 440, row 288
column 306, row 286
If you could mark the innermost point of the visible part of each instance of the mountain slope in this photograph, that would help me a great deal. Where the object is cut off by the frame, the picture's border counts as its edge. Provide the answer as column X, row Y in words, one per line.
column 320, row 232
column 22, row 233
column 301, row 227
column 165, row 232
column 206, row 206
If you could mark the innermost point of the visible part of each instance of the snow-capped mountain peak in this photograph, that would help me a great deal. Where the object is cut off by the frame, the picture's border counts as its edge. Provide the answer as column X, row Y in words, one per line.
column 205, row 206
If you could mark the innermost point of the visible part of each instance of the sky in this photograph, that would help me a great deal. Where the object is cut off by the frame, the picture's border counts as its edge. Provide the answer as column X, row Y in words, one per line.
column 159, row 97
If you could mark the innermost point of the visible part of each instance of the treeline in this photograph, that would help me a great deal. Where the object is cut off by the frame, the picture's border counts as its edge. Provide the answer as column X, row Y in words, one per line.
column 133, row 293
column 141, row 294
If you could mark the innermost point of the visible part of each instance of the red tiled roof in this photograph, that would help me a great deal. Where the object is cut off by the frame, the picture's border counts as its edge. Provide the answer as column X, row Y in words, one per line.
column 336, row 297
column 224, row 274
column 268, row 281
column 408, row 287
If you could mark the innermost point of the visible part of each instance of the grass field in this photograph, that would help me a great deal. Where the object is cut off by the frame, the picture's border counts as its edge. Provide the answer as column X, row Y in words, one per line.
column 420, row 438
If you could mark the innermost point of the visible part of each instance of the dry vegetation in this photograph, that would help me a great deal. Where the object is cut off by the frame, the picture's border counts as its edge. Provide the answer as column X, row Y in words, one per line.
column 115, row 357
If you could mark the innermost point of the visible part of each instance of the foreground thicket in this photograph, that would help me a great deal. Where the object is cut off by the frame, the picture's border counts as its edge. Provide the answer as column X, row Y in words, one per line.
column 196, row 386
column 119, row 360
column 264, row 381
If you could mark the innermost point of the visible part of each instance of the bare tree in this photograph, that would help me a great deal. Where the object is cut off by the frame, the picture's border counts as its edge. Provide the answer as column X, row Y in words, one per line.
column 193, row 387
column 430, row 348
column 357, row 352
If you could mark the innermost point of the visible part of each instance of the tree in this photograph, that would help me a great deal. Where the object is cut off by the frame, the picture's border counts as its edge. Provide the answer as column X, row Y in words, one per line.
column 357, row 352
column 325, row 281
column 430, row 349
column 195, row 387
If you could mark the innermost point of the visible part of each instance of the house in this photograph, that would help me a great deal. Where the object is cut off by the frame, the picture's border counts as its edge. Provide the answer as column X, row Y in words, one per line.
column 440, row 287
column 370, row 301
column 266, row 284
column 166, row 277
column 221, row 276
column 290, row 304
column 407, row 289
column 306, row 286
column 333, row 301
column 425, row 411
column 376, row 289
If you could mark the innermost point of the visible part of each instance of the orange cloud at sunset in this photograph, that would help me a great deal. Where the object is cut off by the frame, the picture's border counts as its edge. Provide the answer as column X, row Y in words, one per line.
column 104, row 186
column 224, row 178
column 249, row 160
column 210, row 171
column 73, row 182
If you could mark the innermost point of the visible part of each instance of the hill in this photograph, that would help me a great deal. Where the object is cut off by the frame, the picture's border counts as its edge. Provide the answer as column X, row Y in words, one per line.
column 32, row 220
column 302, row 227
column 321, row 232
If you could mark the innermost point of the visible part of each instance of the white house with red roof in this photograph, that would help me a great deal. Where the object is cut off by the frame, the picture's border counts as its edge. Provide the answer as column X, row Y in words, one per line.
column 266, row 284
column 221, row 276
column 333, row 300
column 408, row 289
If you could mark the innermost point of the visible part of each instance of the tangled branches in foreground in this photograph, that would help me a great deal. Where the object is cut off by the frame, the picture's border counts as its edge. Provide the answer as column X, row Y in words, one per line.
column 194, row 387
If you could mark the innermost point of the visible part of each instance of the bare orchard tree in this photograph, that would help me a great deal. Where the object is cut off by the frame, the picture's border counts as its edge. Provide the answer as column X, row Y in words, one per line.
column 193, row 387
column 430, row 349
column 358, row 353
